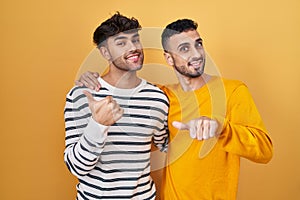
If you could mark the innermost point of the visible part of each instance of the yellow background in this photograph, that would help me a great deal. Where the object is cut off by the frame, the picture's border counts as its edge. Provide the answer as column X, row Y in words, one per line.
column 43, row 44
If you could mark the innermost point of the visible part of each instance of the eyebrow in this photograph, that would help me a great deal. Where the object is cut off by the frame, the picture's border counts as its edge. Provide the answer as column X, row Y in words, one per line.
column 120, row 38
column 199, row 40
column 136, row 35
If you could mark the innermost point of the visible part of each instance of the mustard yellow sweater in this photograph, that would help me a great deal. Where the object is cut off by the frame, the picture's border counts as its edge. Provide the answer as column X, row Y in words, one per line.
column 214, row 177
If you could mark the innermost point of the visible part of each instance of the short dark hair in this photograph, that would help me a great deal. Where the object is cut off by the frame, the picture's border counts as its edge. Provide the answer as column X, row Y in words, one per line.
column 114, row 25
column 177, row 27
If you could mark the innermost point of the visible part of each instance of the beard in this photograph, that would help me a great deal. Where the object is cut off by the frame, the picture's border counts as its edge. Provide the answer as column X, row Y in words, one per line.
column 121, row 62
column 184, row 70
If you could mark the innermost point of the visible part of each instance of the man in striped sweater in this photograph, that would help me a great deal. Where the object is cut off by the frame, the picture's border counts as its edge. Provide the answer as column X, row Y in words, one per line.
column 109, row 132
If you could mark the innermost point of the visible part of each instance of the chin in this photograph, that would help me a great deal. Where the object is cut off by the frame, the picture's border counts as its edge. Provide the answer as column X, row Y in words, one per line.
column 136, row 68
column 194, row 75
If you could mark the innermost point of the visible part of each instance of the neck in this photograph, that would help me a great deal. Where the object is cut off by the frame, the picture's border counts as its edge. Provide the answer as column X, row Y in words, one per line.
column 122, row 79
column 191, row 84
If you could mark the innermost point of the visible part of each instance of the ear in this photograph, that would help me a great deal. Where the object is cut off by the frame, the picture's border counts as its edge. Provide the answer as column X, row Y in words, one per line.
column 105, row 52
column 169, row 58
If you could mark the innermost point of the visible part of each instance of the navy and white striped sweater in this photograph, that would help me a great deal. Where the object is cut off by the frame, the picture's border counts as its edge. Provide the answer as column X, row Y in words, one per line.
column 114, row 162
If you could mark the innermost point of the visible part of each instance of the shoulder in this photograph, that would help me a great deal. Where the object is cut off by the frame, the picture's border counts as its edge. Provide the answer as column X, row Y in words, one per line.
column 154, row 88
column 231, row 85
column 154, row 93
column 236, row 89
column 170, row 88
column 76, row 94
column 76, row 91
column 232, row 82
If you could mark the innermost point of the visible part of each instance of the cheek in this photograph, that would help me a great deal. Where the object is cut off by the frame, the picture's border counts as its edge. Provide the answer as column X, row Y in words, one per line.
column 139, row 46
column 117, row 54
column 202, row 52
column 118, row 51
column 180, row 60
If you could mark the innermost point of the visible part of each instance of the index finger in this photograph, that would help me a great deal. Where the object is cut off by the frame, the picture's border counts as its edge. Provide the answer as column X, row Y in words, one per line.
column 95, row 74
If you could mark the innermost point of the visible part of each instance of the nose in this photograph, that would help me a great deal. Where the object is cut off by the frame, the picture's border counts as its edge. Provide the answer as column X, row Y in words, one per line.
column 132, row 46
column 195, row 53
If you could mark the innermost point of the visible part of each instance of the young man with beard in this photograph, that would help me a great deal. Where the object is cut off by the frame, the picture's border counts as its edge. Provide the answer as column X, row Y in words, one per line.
column 241, row 130
column 207, row 114
column 109, row 132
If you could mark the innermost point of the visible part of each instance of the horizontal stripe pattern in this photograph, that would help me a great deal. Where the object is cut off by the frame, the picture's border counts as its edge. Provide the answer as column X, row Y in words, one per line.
column 117, row 166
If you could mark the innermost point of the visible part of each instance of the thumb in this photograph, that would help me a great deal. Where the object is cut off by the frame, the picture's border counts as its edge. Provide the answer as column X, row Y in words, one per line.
column 180, row 125
column 89, row 96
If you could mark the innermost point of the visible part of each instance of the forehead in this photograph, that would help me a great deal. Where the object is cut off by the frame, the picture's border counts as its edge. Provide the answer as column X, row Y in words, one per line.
column 184, row 37
column 125, row 35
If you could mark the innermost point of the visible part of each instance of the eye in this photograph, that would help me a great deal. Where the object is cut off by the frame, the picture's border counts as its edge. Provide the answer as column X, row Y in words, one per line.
column 136, row 40
column 120, row 43
column 184, row 49
column 198, row 44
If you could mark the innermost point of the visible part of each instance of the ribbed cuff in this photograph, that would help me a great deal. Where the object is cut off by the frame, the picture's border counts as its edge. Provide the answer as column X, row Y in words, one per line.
column 96, row 132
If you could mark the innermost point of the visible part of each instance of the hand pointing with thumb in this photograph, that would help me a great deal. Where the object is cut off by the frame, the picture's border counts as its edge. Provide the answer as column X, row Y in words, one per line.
column 201, row 128
column 106, row 111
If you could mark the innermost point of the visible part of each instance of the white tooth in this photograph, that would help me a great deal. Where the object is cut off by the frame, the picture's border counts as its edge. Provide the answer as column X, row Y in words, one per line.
column 133, row 58
column 195, row 63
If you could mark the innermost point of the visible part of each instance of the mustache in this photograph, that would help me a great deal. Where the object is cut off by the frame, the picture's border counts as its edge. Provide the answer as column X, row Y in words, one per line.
column 195, row 60
column 136, row 51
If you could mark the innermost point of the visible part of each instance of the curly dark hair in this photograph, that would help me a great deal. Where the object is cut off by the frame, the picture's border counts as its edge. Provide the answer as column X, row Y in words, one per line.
column 177, row 27
column 114, row 25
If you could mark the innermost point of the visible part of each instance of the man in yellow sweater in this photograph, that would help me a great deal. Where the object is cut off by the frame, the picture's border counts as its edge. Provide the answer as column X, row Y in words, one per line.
column 190, row 173
column 213, row 122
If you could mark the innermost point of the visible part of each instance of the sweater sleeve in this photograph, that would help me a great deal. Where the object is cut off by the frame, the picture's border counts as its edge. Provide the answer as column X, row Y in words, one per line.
column 84, row 138
column 161, row 135
column 243, row 132
column 160, row 138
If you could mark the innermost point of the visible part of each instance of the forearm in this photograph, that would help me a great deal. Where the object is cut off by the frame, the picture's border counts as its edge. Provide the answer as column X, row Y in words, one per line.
column 82, row 151
column 252, row 143
column 162, row 144
column 161, row 137
column 244, row 133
